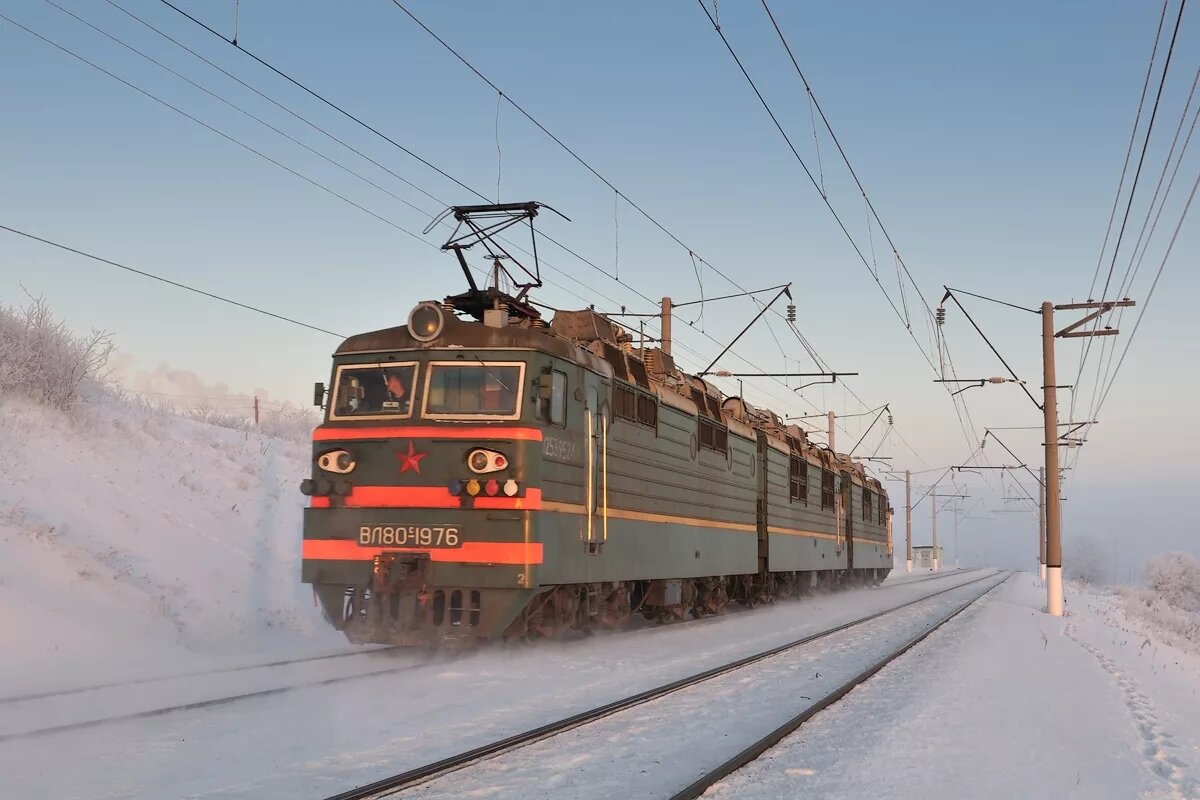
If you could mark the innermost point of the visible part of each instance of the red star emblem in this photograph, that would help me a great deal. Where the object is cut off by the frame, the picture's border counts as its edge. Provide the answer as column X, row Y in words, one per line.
column 411, row 460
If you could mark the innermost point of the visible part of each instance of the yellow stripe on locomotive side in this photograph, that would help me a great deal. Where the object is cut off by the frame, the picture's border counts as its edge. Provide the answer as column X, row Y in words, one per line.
column 697, row 522
column 797, row 532
column 643, row 516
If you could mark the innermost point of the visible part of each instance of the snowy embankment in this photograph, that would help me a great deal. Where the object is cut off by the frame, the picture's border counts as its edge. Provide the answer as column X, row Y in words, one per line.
column 135, row 542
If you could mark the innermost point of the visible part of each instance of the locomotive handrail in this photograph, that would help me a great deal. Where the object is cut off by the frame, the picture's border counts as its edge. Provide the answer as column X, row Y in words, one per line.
column 591, row 477
column 604, row 475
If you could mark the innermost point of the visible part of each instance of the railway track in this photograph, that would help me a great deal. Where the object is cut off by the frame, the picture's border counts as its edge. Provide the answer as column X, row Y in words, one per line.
column 429, row 772
column 95, row 687
column 16, row 702
column 353, row 654
column 765, row 743
column 196, row 704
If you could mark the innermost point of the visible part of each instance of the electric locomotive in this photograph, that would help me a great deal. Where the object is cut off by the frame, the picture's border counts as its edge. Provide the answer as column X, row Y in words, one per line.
column 483, row 473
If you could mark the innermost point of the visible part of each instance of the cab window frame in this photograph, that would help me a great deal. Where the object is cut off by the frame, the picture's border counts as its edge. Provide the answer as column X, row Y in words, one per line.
column 380, row 365
column 478, row 416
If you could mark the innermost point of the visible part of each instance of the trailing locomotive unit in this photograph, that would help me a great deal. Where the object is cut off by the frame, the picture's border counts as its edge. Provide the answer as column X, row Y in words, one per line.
column 496, row 475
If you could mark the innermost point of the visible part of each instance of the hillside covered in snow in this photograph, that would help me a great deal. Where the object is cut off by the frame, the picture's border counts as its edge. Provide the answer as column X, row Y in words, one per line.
column 136, row 541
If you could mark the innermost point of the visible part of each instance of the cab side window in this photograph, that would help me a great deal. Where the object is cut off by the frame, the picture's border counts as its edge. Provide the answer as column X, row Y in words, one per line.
column 558, row 398
column 553, row 409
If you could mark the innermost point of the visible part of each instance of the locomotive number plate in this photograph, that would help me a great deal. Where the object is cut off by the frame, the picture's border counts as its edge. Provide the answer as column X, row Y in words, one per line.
column 408, row 536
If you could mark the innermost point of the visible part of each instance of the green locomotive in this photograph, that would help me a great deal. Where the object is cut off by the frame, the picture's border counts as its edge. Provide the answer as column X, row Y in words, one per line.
column 481, row 473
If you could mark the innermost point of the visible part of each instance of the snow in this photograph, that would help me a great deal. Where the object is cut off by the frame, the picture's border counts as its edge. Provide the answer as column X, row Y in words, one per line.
column 1003, row 702
column 660, row 747
column 318, row 740
column 135, row 543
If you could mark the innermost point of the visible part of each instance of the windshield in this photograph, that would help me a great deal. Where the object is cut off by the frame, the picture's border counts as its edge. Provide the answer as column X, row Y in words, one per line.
column 463, row 391
column 374, row 390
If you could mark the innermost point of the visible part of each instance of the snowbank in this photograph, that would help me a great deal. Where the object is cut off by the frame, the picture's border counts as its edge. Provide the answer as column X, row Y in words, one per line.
column 137, row 542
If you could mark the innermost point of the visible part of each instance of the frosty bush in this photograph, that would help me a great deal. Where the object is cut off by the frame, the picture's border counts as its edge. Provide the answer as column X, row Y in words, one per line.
column 42, row 359
column 1171, row 600
column 291, row 423
column 1175, row 577
column 284, row 422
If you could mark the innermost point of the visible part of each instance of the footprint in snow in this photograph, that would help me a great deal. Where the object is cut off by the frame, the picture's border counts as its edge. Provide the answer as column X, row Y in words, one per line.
column 1159, row 762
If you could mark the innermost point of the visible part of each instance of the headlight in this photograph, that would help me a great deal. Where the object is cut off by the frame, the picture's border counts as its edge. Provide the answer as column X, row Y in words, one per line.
column 339, row 461
column 425, row 322
column 483, row 461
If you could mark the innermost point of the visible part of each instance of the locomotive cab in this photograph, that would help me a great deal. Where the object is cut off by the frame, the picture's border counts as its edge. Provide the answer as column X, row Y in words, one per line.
column 428, row 473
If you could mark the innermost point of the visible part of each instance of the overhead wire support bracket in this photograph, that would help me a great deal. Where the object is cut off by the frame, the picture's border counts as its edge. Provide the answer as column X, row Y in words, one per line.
column 974, row 382
column 750, row 293
column 951, row 296
column 785, row 289
column 977, row 467
column 868, row 430
column 988, row 432
column 726, row 374
column 833, row 376
column 1102, row 308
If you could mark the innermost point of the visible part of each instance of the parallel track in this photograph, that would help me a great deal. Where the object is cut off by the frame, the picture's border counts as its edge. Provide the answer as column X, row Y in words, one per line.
column 751, row 753
column 445, row 766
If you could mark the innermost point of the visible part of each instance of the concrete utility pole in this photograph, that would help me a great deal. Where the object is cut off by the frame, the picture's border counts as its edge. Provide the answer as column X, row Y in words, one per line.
column 956, row 538
column 1053, row 563
column 936, row 560
column 907, row 521
column 832, row 446
column 666, row 325
column 1042, row 522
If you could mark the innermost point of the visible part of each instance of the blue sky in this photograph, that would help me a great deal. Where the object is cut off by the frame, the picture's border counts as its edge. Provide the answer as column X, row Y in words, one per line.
column 990, row 138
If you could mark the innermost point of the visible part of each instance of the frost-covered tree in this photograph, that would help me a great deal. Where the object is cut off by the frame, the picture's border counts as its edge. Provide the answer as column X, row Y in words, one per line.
column 41, row 358
column 1175, row 578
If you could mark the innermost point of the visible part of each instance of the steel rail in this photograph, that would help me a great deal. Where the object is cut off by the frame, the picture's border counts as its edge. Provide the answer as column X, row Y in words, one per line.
column 445, row 766
column 216, row 701
column 773, row 738
column 21, row 698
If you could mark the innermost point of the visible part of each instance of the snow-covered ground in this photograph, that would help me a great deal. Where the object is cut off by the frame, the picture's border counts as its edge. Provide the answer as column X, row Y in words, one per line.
column 1004, row 702
column 135, row 543
column 656, row 749
column 315, row 741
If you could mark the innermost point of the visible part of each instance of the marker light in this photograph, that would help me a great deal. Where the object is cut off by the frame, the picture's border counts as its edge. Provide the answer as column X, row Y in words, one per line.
column 456, row 488
column 510, row 487
column 492, row 487
column 472, row 487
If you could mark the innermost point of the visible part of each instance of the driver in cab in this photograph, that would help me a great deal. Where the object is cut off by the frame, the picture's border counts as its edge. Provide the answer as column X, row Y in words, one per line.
column 397, row 393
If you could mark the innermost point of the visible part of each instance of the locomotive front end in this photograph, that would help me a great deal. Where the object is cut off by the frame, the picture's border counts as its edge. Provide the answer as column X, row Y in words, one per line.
column 426, row 473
